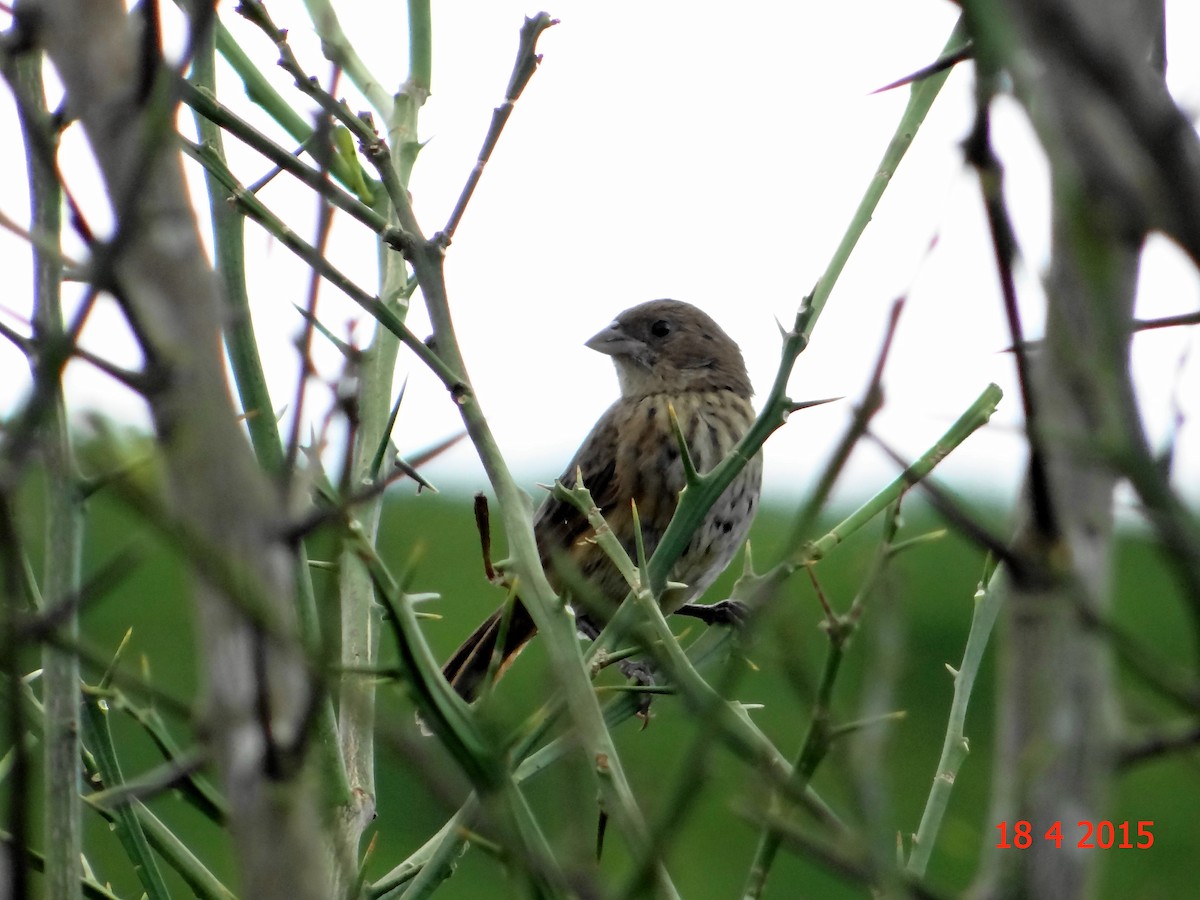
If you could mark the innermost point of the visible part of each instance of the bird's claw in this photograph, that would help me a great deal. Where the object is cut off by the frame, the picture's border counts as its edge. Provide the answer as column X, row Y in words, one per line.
column 641, row 674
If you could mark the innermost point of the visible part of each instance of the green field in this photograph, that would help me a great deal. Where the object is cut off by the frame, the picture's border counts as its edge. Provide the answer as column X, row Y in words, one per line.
column 923, row 616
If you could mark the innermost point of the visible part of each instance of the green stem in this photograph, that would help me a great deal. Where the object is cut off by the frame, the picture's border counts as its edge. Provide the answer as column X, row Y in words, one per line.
column 427, row 259
column 553, row 621
column 241, row 344
column 920, row 101
column 975, row 416
column 821, row 733
column 448, row 716
column 420, row 49
column 127, row 826
column 178, row 855
column 381, row 312
column 955, row 747
column 229, row 243
column 402, row 130
column 339, row 51
column 260, row 91
column 358, row 610
column 812, row 751
column 650, row 628
column 64, row 511
column 695, row 501
column 101, row 757
column 735, row 728
column 431, row 864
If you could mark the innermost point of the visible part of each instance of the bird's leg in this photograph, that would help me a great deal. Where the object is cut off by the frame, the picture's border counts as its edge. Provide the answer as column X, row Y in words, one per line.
column 637, row 670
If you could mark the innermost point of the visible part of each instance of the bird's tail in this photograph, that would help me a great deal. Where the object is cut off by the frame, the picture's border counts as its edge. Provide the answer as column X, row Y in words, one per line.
column 467, row 669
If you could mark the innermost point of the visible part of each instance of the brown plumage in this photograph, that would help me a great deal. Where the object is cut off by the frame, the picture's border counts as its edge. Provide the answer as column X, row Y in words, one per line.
column 665, row 352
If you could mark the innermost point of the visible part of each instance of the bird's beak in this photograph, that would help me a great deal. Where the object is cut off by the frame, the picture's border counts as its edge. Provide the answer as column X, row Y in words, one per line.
column 613, row 341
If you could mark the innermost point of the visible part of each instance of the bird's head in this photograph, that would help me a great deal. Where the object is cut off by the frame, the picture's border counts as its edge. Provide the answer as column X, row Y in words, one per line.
column 668, row 346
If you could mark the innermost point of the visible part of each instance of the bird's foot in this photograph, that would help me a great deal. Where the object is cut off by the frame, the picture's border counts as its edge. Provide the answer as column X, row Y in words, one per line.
column 642, row 675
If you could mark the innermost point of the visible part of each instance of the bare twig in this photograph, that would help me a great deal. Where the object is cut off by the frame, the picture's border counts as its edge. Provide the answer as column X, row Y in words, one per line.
column 523, row 69
column 1004, row 246
column 206, row 105
column 1159, row 743
column 322, row 143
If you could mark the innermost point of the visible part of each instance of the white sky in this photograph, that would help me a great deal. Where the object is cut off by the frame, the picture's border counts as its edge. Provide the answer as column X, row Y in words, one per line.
column 673, row 149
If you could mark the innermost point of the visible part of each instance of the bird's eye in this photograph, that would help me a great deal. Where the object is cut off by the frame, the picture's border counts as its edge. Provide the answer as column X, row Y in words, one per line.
column 661, row 328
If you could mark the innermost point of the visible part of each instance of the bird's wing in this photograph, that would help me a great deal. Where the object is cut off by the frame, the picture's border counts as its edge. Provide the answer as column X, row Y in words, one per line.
column 557, row 524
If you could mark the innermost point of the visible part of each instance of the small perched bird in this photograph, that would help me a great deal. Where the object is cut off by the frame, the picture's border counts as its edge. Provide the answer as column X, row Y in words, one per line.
column 667, row 353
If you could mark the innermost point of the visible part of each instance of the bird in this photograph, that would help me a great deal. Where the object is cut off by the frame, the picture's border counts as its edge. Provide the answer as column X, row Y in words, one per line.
column 670, row 358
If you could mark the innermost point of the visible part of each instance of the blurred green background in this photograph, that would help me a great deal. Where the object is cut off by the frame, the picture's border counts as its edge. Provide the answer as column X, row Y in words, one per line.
column 923, row 615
